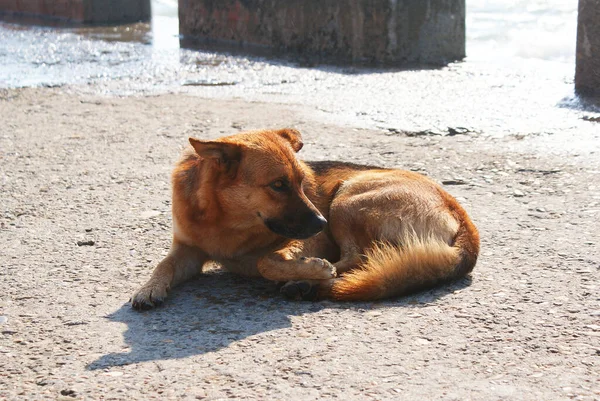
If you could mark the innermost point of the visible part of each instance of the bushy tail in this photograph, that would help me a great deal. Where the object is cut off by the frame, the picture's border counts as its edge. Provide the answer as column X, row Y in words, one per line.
column 415, row 264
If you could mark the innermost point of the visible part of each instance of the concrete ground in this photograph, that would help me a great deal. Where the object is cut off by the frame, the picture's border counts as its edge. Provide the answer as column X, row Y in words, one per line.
column 85, row 217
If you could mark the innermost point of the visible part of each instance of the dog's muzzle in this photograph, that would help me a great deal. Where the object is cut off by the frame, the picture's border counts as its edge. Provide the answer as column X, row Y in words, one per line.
column 301, row 228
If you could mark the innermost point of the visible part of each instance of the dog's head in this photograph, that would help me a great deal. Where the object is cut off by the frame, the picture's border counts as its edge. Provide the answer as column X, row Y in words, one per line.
column 258, row 180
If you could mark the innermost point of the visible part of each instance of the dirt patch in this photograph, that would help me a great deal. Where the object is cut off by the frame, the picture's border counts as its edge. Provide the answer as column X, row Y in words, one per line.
column 78, row 169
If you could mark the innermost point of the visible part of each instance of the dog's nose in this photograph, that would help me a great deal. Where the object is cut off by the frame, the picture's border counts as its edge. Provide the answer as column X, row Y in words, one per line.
column 316, row 223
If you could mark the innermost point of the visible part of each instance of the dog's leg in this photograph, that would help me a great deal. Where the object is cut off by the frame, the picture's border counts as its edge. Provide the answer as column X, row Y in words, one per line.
column 351, row 258
column 312, row 290
column 182, row 263
column 308, row 290
column 288, row 265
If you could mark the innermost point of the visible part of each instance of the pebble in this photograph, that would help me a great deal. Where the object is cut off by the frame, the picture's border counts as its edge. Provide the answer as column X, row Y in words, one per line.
column 207, row 82
column 454, row 181
column 3, row 319
column 518, row 193
column 148, row 214
column 113, row 374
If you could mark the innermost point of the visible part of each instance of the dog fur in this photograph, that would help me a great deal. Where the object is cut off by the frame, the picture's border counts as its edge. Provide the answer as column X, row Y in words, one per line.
column 327, row 229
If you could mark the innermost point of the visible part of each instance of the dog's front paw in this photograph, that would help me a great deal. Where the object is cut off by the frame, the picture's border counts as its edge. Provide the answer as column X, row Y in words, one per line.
column 149, row 296
column 300, row 290
column 323, row 270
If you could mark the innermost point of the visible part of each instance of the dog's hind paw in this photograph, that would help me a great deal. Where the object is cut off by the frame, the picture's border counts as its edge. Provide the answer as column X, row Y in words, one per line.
column 323, row 269
column 148, row 297
column 300, row 290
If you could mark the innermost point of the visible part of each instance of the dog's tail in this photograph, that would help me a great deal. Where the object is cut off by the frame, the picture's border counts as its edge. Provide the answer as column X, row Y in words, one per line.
column 413, row 264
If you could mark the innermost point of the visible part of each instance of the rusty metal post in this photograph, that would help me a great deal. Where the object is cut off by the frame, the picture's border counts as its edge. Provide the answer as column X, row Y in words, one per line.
column 587, row 70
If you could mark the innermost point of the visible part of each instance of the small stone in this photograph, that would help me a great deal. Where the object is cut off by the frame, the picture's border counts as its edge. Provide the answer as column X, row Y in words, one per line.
column 422, row 341
column 3, row 319
column 454, row 181
column 69, row 393
column 518, row 193
column 75, row 323
column 414, row 315
column 113, row 374
column 206, row 82
column 148, row 214
column 86, row 243
column 541, row 209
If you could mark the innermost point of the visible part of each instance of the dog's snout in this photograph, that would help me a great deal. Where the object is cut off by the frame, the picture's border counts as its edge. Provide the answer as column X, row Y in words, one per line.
column 301, row 226
column 317, row 222
column 313, row 223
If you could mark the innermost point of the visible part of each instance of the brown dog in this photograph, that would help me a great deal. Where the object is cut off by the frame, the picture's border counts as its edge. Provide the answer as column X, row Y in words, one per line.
column 246, row 202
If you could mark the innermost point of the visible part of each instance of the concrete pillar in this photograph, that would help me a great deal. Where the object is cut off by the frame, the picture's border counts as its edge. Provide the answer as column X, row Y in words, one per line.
column 587, row 70
column 84, row 11
column 396, row 32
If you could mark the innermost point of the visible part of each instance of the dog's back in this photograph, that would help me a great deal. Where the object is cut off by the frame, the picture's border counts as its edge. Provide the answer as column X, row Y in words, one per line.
column 398, row 231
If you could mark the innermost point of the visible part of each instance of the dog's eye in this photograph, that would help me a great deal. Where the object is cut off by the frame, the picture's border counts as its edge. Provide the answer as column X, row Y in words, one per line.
column 279, row 186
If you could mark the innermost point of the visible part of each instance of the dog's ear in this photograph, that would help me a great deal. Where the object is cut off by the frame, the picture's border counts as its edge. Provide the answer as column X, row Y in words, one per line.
column 225, row 154
column 293, row 136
